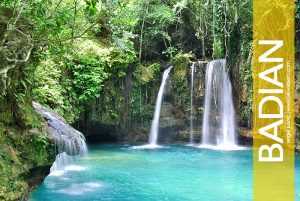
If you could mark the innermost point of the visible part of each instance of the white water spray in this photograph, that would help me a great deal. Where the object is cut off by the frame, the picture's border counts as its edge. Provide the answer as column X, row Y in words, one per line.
column 69, row 142
column 218, row 132
column 155, row 122
column 191, row 114
column 68, row 150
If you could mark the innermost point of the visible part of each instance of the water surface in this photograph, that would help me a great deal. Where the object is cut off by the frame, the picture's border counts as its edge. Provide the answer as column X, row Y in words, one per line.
column 175, row 173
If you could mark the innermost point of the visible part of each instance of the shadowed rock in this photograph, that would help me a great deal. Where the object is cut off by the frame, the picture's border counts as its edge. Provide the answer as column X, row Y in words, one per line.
column 67, row 138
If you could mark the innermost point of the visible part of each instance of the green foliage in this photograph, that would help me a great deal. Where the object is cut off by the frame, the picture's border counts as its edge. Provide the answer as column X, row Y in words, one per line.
column 48, row 89
column 141, row 108
column 181, row 60
column 20, row 154
column 70, row 83
column 154, row 26
column 218, row 49
column 145, row 74
column 118, row 62
column 140, row 104
column 181, row 92
column 170, row 51
column 42, row 139
column 162, row 15
column 87, row 76
column 85, row 51
column 85, row 62
column 3, row 156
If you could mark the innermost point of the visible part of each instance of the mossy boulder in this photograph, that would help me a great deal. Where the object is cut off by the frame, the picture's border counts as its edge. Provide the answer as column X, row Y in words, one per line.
column 180, row 83
column 181, row 64
column 26, row 156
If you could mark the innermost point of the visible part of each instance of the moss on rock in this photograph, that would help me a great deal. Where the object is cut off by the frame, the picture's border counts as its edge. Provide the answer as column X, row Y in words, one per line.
column 180, row 84
column 22, row 153
column 26, row 151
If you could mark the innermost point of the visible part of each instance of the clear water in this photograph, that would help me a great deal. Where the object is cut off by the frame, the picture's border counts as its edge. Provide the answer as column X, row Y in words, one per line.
column 175, row 173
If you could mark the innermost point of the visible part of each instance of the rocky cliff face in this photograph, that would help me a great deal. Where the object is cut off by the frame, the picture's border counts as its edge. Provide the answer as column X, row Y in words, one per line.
column 175, row 111
column 128, row 115
column 26, row 151
column 66, row 138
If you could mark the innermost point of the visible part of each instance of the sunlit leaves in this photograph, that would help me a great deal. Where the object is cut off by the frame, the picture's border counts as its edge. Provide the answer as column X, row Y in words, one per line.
column 91, row 7
column 161, row 15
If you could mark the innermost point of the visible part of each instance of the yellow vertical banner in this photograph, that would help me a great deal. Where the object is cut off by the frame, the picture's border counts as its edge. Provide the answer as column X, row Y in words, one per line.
column 273, row 100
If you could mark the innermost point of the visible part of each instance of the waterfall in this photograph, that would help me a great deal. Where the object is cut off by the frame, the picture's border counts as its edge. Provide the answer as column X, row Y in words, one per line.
column 219, row 127
column 69, row 142
column 67, row 152
column 191, row 114
column 155, row 122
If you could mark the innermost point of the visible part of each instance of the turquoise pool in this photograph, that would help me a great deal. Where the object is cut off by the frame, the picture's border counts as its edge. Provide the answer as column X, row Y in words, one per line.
column 175, row 173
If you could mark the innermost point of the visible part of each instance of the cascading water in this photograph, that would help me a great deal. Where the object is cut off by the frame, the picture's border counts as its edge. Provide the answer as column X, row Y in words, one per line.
column 155, row 122
column 191, row 114
column 218, row 132
column 67, row 151
column 69, row 142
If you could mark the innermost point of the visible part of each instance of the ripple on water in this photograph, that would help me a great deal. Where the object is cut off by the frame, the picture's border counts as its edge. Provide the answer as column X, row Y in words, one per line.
column 81, row 188
column 222, row 147
column 75, row 168
column 176, row 173
column 148, row 146
column 59, row 173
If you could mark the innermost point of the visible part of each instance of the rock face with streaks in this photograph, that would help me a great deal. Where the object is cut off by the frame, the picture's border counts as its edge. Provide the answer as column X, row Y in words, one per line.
column 175, row 111
column 66, row 138
column 69, row 142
